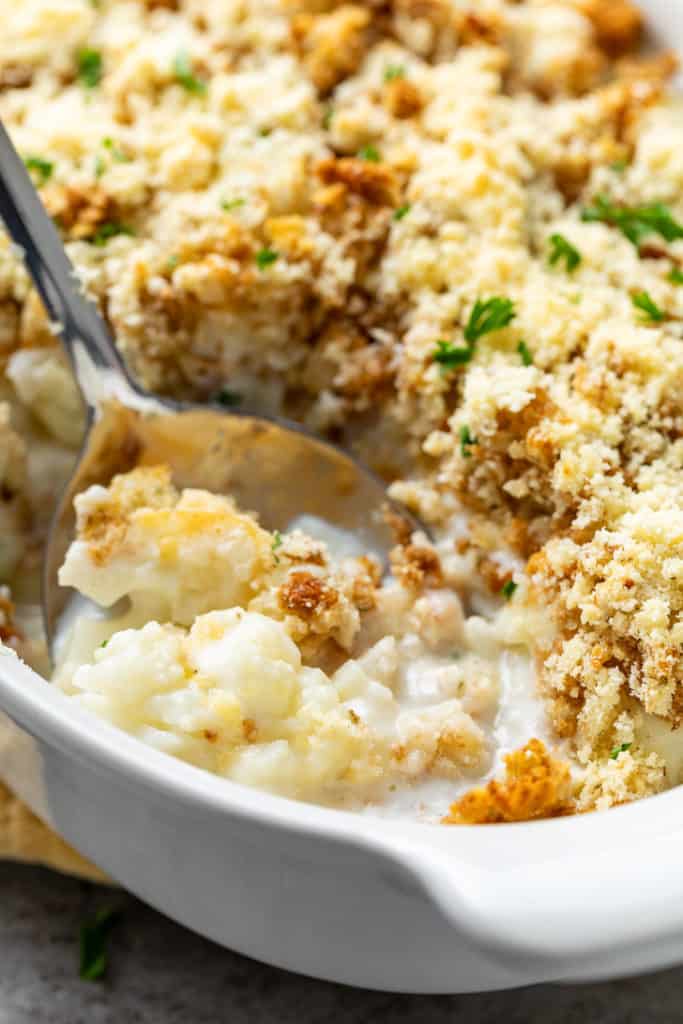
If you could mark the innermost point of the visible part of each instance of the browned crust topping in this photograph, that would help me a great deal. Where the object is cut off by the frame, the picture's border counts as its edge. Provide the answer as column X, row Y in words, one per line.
column 306, row 595
column 535, row 785
column 416, row 566
column 375, row 182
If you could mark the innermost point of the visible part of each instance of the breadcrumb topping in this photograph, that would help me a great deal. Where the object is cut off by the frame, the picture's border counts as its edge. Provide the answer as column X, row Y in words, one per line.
column 535, row 785
column 447, row 234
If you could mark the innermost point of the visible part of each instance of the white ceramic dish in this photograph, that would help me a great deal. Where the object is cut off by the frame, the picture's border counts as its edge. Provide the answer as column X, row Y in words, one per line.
column 403, row 907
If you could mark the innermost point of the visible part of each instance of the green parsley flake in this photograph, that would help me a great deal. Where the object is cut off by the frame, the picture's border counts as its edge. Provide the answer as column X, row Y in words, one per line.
column 172, row 262
column 621, row 749
column 185, row 76
column 508, row 589
column 232, row 204
column 100, row 166
column 93, row 943
column 90, row 67
column 229, row 399
column 488, row 315
column 265, row 257
column 619, row 166
column 449, row 357
column 525, row 352
column 115, row 150
column 394, row 71
column 370, row 153
column 108, row 230
column 277, row 543
column 41, row 168
column 466, row 442
column 327, row 118
column 646, row 304
column 402, row 211
column 675, row 275
column 635, row 222
column 562, row 249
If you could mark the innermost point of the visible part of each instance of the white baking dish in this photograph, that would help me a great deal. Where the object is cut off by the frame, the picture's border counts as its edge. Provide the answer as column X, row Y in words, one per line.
column 381, row 904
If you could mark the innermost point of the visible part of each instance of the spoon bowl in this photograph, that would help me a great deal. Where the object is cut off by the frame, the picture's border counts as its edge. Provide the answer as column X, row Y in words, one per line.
column 272, row 468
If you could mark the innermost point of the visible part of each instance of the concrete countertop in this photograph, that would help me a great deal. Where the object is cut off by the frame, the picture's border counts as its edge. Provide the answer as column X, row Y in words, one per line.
column 162, row 974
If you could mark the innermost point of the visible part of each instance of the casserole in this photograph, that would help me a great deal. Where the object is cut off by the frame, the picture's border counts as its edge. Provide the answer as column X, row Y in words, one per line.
column 395, row 906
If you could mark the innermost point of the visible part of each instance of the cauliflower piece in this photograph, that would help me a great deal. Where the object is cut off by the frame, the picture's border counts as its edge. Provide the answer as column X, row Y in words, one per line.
column 13, row 505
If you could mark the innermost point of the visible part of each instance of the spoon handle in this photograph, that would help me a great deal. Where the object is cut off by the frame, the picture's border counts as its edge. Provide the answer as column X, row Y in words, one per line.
column 30, row 227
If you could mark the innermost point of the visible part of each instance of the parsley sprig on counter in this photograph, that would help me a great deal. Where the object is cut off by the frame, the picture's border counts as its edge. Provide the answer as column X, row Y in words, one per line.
column 635, row 222
column 562, row 249
column 93, row 943
column 487, row 315
column 648, row 307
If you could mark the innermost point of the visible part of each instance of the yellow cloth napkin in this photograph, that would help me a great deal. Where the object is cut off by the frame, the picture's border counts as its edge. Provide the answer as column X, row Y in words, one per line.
column 24, row 837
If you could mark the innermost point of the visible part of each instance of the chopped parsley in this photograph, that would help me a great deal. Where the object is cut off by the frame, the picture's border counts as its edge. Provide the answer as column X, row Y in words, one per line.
column 525, row 352
column 370, row 153
column 488, row 315
column 646, row 304
column 41, row 168
column 104, row 643
column 185, row 76
column 277, row 543
column 448, row 356
column 115, row 150
column 621, row 749
column 402, row 211
column 108, row 230
column 394, row 71
column 619, row 166
column 508, row 589
column 100, row 165
column 327, row 118
column 466, row 442
column 675, row 275
column 265, row 257
column 232, row 204
column 635, row 222
column 172, row 262
column 562, row 249
column 230, row 399
column 93, row 944
column 90, row 67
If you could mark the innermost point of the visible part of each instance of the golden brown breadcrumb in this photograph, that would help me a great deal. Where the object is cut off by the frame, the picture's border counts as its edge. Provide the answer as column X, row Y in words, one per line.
column 535, row 785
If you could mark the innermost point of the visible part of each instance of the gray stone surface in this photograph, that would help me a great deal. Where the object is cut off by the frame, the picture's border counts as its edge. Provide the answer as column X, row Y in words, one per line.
column 162, row 974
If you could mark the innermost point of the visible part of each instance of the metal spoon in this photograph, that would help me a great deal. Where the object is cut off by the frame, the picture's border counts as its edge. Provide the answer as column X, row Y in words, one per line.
column 271, row 467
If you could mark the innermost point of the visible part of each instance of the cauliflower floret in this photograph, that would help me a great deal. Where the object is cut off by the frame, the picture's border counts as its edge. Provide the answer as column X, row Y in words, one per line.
column 182, row 555
column 233, row 695
column 44, row 384
column 13, row 508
